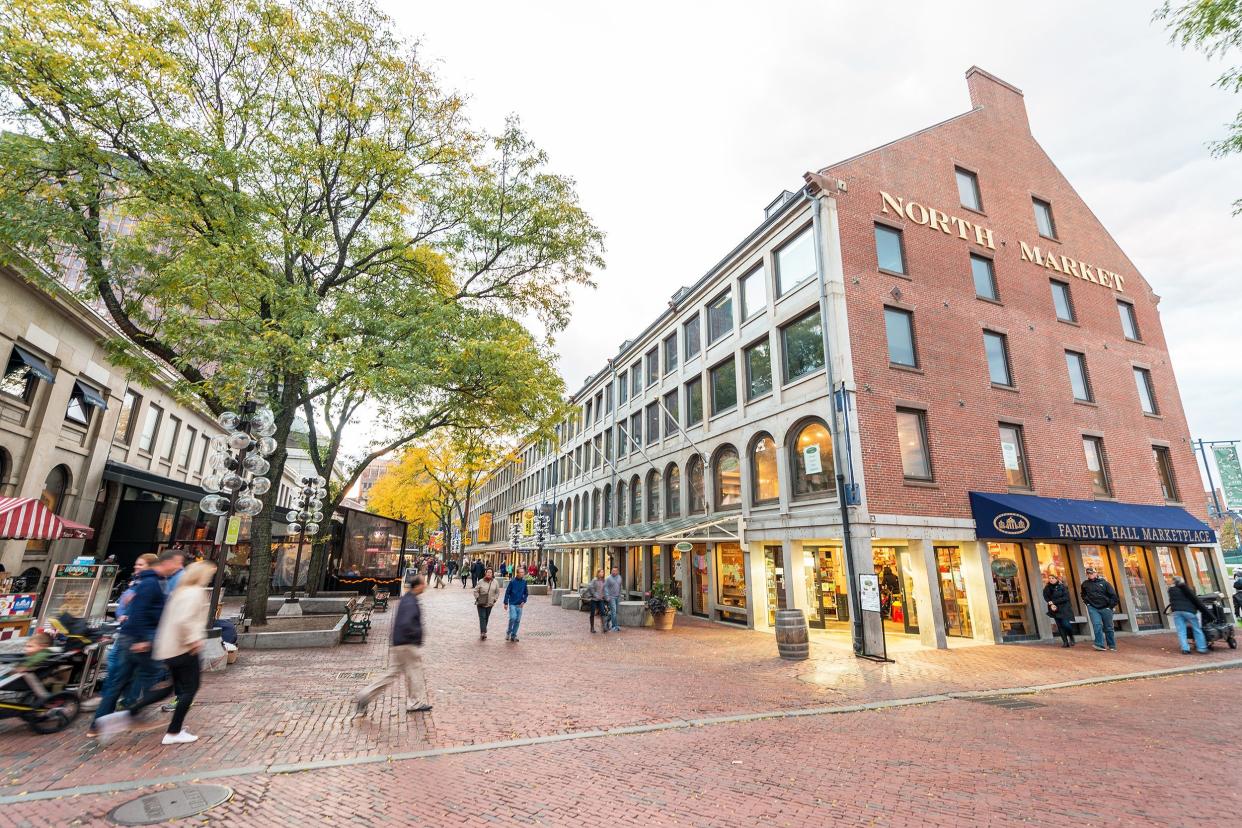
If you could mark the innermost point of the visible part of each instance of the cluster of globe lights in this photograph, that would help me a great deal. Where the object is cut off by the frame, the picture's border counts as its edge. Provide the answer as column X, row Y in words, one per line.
column 308, row 515
column 238, row 462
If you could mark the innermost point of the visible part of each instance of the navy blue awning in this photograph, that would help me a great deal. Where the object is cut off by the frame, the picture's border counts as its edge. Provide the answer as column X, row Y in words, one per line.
column 1018, row 516
column 37, row 366
column 89, row 395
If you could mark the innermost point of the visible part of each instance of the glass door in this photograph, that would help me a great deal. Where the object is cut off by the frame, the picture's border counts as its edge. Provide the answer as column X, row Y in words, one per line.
column 895, row 604
column 678, row 561
column 698, row 582
column 731, row 583
column 810, row 580
column 1013, row 601
column 953, row 592
column 1146, row 608
column 1170, row 564
column 773, row 565
column 907, row 581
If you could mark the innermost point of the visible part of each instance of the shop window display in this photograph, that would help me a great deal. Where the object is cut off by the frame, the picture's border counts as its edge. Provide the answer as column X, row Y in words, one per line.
column 731, row 582
column 1012, row 599
column 1202, row 575
column 1146, row 610
column 1170, row 565
column 774, row 570
column 678, row 577
column 953, row 592
column 1054, row 560
column 698, row 562
column 826, row 592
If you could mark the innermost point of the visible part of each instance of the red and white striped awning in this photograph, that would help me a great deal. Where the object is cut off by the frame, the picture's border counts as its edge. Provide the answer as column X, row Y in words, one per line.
column 26, row 518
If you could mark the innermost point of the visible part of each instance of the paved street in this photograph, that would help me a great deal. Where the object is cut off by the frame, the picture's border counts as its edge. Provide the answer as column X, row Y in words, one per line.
column 529, row 719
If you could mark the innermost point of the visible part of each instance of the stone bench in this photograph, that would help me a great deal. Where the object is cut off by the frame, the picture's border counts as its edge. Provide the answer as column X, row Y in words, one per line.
column 633, row 614
column 571, row 601
column 537, row 589
column 558, row 594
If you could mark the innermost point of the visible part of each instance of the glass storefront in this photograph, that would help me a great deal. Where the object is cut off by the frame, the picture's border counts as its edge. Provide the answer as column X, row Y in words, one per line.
column 657, row 564
column 896, row 606
column 826, row 593
column 633, row 566
column 1097, row 558
column 774, row 571
column 1170, row 565
column 678, row 561
column 698, row 585
column 731, row 582
column 1054, row 560
column 1013, row 601
column 953, row 592
column 1146, row 608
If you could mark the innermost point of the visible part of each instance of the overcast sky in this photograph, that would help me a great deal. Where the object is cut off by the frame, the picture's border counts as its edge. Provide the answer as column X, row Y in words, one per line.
column 680, row 121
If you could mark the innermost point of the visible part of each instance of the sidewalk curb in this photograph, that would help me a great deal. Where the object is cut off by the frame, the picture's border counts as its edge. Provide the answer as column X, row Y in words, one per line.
column 626, row 730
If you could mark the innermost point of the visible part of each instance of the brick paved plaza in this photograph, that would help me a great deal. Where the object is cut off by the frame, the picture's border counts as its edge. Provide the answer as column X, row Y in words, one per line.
column 516, row 735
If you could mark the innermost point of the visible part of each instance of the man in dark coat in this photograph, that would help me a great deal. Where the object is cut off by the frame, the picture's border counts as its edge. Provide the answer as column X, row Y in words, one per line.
column 476, row 572
column 1100, row 598
column 404, row 659
column 1060, row 608
column 1186, row 607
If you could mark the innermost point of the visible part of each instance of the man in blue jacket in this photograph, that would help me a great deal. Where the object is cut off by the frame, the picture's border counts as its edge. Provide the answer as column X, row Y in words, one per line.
column 137, row 631
column 407, row 637
column 515, row 599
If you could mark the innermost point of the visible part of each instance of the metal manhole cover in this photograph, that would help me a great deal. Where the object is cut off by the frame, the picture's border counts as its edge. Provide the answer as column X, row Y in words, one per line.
column 174, row 803
column 1008, row 702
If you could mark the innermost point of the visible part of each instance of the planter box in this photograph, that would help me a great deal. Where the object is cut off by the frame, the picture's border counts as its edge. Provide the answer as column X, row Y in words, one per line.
column 319, row 605
column 255, row 640
column 633, row 614
column 571, row 601
column 537, row 589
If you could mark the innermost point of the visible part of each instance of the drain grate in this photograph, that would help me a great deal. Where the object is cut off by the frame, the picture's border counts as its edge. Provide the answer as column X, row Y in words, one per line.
column 174, row 803
column 1008, row 702
column 348, row 676
column 540, row 634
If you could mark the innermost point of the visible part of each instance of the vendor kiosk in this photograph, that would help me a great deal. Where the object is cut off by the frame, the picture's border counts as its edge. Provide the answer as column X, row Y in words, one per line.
column 16, row 613
column 82, row 590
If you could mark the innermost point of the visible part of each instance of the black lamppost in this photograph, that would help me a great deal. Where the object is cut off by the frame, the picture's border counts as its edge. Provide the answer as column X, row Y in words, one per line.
column 304, row 518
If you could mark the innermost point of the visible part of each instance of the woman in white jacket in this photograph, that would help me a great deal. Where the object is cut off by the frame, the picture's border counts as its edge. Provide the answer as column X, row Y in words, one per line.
column 183, row 626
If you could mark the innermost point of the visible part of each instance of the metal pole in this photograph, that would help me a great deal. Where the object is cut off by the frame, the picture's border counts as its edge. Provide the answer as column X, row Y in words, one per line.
column 222, row 555
column 297, row 565
column 1207, row 467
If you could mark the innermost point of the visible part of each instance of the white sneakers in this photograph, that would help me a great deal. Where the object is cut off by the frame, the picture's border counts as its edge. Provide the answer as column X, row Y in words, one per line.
column 179, row 738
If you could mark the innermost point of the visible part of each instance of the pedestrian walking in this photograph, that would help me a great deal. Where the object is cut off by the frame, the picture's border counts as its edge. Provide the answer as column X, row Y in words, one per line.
column 596, row 591
column 612, row 594
column 404, row 658
column 476, row 571
column 1060, row 608
column 452, row 569
column 515, row 600
column 129, row 694
column 441, row 574
column 464, row 573
column 1100, row 597
column 1237, row 592
column 134, row 637
column 486, row 594
column 1186, row 606
column 553, row 569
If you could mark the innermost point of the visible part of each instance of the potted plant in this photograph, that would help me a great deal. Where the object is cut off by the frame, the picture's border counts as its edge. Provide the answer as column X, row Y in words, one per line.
column 663, row 604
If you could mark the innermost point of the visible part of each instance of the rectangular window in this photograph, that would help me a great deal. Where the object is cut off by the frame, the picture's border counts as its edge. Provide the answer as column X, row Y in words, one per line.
column 888, row 249
column 1063, row 302
column 169, row 440
column 636, row 379
column 597, row 452
column 691, row 341
column 608, row 398
column 599, row 413
column 1043, row 218
column 202, row 455
column 653, row 366
column 608, row 444
column 670, row 353
column 996, row 346
column 636, row 429
column 984, row 274
column 587, row 417
column 1079, row 384
column 623, row 440
column 22, row 373
column 1146, row 391
column 187, row 447
column 1013, row 454
column 758, row 369
column 968, row 189
column 671, row 416
column 623, row 388
column 81, row 405
column 1093, row 449
column 912, row 438
column 899, row 325
column 653, row 423
column 1129, row 323
column 125, row 422
column 754, row 293
column 150, row 427
column 724, row 386
column 802, row 346
column 795, row 262
column 694, row 401
column 719, row 317
column 1164, row 466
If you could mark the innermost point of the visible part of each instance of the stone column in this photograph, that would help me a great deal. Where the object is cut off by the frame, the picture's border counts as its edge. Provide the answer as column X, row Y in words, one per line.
column 980, row 592
column 757, row 585
column 923, row 574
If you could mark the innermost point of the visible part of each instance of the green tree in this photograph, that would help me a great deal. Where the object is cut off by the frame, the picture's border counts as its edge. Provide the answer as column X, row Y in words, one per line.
column 276, row 199
column 1214, row 27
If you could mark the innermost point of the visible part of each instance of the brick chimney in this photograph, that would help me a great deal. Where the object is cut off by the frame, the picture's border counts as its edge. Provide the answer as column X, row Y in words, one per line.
column 999, row 99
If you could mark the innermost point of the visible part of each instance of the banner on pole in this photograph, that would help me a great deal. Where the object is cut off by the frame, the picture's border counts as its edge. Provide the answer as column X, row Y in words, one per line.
column 1230, row 474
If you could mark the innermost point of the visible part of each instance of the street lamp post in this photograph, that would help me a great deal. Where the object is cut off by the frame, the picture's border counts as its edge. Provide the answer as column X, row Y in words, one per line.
column 304, row 519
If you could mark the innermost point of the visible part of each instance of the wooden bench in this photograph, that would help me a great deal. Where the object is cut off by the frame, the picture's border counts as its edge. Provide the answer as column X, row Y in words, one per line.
column 357, row 619
column 380, row 604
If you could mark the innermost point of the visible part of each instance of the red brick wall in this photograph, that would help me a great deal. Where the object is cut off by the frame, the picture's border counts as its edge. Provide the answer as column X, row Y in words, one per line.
column 963, row 409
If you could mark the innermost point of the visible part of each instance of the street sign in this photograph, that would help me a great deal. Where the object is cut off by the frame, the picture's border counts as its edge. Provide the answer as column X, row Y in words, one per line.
column 233, row 531
column 528, row 522
column 684, row 547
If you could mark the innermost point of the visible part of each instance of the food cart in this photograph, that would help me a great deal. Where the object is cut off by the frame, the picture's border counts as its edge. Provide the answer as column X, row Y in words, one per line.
column 16, row 614
column 82, row 590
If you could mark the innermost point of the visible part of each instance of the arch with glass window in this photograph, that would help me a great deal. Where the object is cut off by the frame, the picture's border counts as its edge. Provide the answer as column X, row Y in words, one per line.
column 6, row 468
column 623, row 502
column 636, row 500
column 696, row 490
column 811, row 465
column 654, row 484
column 607, row 505
column 726, row 479
column 55, row 485
column 672, row 491
column 764, row 477
column 595, row 509
column 577, row 513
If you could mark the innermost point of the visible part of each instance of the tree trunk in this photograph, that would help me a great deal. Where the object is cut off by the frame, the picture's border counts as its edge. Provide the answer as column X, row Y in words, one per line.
column 259, row 587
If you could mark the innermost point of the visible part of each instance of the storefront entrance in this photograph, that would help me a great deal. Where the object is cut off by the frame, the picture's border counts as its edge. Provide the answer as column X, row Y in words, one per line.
column 698, row 582
column 826, row 596
column 953, row 592
column 774, row 569
column 896, row 592
column 731, row 583
column 1146, row 608
column 678, row 568
column 1013, row 600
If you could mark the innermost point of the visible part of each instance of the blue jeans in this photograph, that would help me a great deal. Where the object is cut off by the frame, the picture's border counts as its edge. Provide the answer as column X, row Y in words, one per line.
column 131, row 667
column 1102, row 625
column 515, row 618
column 128, row 695
column 613, row 606
column 1181, row 620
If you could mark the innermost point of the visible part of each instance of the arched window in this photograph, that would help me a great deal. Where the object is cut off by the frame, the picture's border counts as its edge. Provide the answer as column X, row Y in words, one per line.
column 53, row 497
column 556, row 521
column 810, row 460
column 636, row 500
column 577, row 513
column 764, row 481
column 726, row 479
column 595, row 509
column 653, row 495
column 672, row 491
column 623, row 502
column 697, row 492
column 607, row 504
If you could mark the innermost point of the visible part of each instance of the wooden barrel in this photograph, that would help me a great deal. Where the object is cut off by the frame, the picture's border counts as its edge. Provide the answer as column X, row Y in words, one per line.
column 791, row 636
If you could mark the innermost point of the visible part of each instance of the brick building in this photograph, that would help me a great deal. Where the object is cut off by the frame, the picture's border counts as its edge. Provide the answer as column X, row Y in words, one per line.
column 1005, row 408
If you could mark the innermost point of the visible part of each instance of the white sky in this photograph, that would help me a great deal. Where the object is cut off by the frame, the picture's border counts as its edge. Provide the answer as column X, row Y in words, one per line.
column 694, row 115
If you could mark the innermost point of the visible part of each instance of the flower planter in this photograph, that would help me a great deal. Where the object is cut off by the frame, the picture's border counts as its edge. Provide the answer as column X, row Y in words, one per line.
column 663, row 620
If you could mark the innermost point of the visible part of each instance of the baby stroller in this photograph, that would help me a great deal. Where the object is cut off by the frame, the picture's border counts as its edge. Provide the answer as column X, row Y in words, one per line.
column 1216, row 623
column 25, row 695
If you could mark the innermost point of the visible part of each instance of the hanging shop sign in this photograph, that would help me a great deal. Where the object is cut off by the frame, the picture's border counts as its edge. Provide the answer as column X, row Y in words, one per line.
column 684, row 547
column 528, row 522
column 811, row 460
column 485, row 527
column 1230, row 474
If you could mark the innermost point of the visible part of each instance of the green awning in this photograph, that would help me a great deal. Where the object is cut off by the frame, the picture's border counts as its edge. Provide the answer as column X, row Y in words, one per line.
column 652, row 532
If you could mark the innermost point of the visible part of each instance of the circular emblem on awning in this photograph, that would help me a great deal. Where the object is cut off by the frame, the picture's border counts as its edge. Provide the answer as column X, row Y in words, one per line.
column 1011, row 523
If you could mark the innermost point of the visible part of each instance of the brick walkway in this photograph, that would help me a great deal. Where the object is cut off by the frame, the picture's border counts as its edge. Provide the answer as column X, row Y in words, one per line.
column 293, row 706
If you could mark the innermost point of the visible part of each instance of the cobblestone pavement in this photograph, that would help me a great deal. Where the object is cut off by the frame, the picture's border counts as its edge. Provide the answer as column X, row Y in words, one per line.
column 1090, row 755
